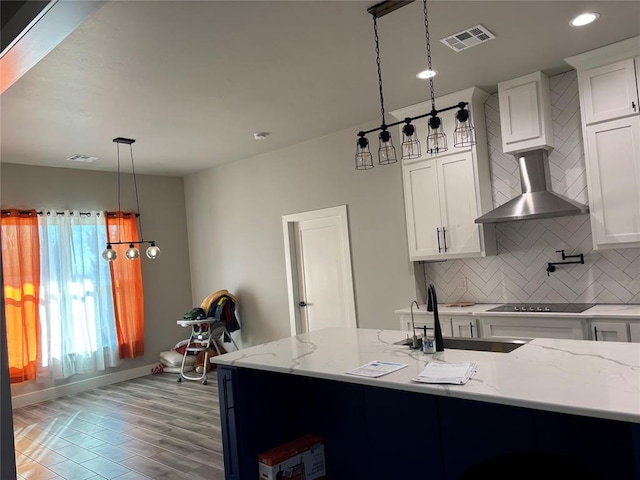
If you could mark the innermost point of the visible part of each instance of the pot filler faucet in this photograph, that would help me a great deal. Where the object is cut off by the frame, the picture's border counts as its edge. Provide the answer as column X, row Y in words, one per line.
column 432, row 299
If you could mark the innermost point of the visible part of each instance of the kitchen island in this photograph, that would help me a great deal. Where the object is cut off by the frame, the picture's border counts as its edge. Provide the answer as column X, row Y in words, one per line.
column 579, row 401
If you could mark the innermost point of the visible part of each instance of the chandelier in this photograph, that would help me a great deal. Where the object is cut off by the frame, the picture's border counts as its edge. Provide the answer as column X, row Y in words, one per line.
column 132, row 253
column 436, row 141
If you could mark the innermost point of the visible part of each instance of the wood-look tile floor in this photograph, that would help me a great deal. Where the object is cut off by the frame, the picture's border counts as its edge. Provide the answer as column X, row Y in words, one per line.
column 149, row 427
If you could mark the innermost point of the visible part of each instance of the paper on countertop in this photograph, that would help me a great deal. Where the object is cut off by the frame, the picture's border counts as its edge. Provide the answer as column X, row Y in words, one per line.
column 442, row 372
column 377, row 368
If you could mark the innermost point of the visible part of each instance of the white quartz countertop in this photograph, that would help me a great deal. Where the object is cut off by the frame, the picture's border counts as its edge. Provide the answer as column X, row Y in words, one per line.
column 620, row 311
column 597, row 379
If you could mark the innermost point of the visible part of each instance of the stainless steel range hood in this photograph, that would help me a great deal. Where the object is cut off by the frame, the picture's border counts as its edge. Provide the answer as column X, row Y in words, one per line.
column 536, row 200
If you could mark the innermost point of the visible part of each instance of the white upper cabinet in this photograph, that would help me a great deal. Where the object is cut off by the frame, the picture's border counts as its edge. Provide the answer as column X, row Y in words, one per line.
column 445, row 193
column 525, row 113
column 608, row 84
column 422, row 208
column 609, row 91
column 613, row 171
column 458, row 204
column 441, row 206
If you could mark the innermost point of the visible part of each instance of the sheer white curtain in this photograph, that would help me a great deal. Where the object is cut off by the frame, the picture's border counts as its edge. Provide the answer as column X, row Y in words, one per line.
column 78, row 333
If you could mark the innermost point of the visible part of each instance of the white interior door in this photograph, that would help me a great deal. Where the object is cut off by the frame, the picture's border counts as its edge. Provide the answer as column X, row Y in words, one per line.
column 319, row 270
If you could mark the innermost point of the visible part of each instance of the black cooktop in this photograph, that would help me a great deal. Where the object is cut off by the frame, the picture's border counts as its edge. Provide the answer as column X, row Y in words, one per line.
column 542, row 307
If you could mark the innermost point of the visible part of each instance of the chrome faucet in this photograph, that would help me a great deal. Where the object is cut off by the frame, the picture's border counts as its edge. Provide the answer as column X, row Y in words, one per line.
column 433, row 300
column 414, row 339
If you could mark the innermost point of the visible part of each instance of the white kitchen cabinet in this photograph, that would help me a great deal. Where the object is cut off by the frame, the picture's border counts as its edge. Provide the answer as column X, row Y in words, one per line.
column 465, row 327
column 609, row 331
column 634, row 332
column 609, row 91
column 525, row 113
column 425, row 320
column 445, row 193
column 532, row 327
column 608, row 85
column 613, row 174
column 441, row 207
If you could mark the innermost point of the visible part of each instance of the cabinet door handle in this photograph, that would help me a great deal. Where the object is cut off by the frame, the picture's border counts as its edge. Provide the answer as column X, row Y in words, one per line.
column 595, row 332
column 471, row 327
column 225, row 396
column 438, row 235
column 444, row 237
column 633, row 105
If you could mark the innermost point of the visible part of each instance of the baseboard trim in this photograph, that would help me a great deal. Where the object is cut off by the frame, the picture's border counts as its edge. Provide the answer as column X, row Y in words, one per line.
column 79, row 386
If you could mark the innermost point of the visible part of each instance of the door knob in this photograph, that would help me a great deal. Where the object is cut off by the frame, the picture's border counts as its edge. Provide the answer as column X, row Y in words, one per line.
column 302, row 304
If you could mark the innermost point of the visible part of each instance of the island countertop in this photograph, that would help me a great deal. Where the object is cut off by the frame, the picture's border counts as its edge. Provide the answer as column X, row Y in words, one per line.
column 595, row 379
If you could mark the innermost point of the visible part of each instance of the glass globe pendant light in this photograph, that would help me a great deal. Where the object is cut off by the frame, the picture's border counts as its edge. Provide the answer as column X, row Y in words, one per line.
column 109, row 254
column 153, row 252
column 132, row 253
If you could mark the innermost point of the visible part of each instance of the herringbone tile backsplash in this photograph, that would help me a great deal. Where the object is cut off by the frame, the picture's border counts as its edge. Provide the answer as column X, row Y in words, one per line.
column 518, row 272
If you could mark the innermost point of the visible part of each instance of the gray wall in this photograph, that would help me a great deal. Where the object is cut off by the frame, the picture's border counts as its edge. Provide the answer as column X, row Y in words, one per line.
column 167, row 286
column 234, row 215
column 518, row 273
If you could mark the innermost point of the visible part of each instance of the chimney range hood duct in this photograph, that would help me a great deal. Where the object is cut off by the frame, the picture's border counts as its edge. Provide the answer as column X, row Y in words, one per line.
column 536, row 200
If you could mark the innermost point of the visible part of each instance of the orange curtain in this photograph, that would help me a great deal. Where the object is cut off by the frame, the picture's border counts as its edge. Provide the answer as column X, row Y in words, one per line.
column 21, row 275
column 126, row 279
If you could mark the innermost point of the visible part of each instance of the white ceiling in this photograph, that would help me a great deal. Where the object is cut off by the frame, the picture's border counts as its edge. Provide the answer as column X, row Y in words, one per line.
column 192, row 81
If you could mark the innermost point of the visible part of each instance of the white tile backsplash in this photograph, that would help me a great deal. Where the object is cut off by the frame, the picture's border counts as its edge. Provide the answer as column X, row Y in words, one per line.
column 518, row 272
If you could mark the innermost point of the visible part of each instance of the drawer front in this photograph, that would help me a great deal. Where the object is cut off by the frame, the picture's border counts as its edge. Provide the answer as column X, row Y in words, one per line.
column 532, row 327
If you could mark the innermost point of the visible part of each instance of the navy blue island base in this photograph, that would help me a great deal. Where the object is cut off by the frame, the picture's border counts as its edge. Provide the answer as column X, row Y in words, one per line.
column 383, row 433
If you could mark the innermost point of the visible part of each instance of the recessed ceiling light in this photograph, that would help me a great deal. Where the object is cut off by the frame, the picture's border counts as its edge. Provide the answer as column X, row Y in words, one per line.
column 584, row 19
column 261, row 135
column 423, row 75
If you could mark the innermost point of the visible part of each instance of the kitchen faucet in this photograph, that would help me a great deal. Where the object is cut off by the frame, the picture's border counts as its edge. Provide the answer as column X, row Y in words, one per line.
column 414, row 340
column 433, row 299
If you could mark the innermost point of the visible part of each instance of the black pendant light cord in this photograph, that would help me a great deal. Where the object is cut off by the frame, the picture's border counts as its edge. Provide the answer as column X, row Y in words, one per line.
column 119, row 209
column 130, row 142
column 375, row 32
column 426, row 28
column 135, row 187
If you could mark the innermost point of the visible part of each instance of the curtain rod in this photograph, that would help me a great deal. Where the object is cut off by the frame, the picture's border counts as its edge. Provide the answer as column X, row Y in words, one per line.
column 28, row 212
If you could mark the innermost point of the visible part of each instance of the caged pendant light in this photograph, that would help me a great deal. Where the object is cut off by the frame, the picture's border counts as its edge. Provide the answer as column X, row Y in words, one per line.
column 436, row 141
column 386, row 150
column 132, row 253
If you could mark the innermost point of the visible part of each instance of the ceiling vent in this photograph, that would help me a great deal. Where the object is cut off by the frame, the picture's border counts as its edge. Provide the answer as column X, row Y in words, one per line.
column 468, row 38
column 82, row 158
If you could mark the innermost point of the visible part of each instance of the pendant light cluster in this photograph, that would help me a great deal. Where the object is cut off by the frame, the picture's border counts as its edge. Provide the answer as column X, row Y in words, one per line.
column 132, row 253
column 436, row 141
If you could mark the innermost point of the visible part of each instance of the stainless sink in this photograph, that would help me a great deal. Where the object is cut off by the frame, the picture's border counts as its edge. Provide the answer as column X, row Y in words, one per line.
column 478, row 344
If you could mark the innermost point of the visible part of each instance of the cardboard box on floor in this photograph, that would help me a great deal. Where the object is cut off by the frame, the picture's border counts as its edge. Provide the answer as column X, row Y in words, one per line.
column 301, row 459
